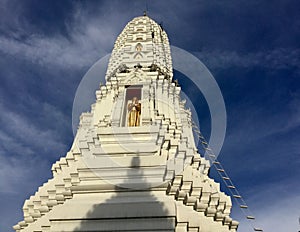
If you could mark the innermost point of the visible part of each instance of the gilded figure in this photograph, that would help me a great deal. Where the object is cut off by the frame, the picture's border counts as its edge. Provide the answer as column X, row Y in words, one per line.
column 134, row 112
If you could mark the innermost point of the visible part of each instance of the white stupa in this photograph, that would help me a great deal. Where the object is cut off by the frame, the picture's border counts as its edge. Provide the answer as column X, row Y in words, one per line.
column 133, row 165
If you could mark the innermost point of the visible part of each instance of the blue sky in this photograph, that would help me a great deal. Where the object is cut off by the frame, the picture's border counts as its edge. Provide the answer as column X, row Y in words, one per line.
column 251, row 47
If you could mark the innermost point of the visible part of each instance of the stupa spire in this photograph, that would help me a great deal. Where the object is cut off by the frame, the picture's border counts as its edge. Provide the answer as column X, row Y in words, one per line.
column 142, row 43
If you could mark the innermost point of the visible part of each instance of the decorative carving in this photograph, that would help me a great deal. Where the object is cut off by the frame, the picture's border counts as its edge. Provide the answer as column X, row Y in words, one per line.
column 138, row 47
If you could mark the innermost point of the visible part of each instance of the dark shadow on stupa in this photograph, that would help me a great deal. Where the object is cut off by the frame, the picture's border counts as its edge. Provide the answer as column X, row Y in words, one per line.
column 134, row 206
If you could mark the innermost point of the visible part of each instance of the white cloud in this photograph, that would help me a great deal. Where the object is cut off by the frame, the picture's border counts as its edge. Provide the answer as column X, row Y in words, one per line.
column 276, row 59
column 88, row 40
column 248, row 125
column 18, row 172
column 91, row 37
column 21, row 137
column 275, row 206
column 56, row 51
column 293, row 105
column 25, row 149
column 280, row 215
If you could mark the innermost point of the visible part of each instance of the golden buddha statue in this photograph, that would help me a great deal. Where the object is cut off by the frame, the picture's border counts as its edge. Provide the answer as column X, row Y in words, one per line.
column 134, row 112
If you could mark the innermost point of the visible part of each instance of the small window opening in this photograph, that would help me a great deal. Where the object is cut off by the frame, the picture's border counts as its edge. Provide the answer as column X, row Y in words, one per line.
column 138, row 47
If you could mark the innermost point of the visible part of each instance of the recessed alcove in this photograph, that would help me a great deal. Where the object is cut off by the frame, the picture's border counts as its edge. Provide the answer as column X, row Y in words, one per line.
column 131, row 92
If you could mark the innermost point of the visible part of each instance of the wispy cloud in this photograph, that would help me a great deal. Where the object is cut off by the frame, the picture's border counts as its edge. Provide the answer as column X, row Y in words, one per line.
column 279, row 58
column 247, row 117
column 295, row 112
column 87, row 40
column 20, row 136
column 58, row 51
column 273, row 211
column 21, row 173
